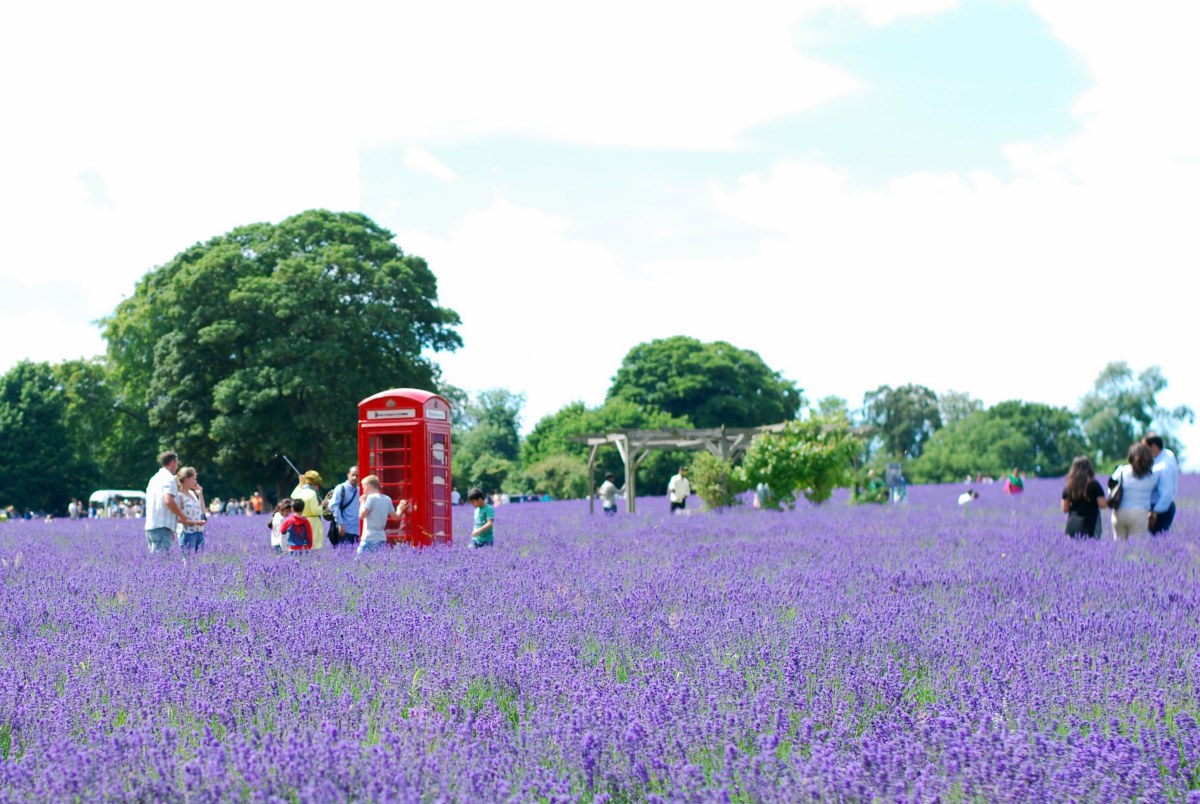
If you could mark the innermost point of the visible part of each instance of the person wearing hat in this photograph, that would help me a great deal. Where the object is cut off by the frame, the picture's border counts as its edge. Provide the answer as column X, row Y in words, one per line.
column 308, row 489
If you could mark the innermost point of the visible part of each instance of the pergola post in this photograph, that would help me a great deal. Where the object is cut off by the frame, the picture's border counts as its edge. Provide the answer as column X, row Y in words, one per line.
column 592, row 479
column 622, row 442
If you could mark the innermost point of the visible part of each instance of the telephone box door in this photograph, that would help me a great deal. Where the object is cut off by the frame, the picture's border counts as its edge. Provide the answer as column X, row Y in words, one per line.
column 391, row 459
column 439, row 479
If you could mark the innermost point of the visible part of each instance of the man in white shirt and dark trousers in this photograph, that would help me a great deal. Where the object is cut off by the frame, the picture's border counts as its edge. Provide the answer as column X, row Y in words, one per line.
column 678, row 490
column 1162, row 499
column 344, row 506
column 162, row 508
column 608, row 494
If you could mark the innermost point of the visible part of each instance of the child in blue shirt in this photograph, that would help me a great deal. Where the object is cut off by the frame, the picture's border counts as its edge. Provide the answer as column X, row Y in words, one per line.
column 485, row 519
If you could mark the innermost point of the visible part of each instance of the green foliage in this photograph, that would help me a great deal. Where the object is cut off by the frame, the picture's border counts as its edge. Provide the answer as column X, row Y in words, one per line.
column 264, row 340
column 869, row 488
column 832, row 406
column 710, row 384
column 906, row 417
column 491, row 423
column 552, row 436
column 1029, row 435
column 956, row 406
column 486, row 440
column 812, row 456
column 715, row 480
column 1121, row 408
column 487, row 471
column 110, row 438
column 562, row 476
column 38, row 464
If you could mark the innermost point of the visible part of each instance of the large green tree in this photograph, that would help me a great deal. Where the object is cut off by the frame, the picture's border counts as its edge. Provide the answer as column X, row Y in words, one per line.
column 264, row 339
column 904, row 417
column 39, row 464
column 710, row 384
column 1122, row 407
column 1034, row 437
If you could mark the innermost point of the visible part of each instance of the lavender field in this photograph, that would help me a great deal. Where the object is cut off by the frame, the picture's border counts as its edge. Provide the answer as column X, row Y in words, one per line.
column 833, row 653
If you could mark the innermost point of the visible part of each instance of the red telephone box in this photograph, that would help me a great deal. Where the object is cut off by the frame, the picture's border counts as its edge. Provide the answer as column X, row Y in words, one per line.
column 404, row 438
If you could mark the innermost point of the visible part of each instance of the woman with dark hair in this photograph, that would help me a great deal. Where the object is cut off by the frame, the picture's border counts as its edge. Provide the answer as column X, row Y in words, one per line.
column 1137, row 482
column 1082, row 499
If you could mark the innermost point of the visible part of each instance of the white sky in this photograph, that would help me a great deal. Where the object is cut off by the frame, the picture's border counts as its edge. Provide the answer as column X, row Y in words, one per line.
column 133, row 130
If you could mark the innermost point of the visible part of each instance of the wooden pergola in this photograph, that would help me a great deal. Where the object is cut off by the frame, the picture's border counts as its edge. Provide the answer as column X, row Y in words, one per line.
column 634, row 445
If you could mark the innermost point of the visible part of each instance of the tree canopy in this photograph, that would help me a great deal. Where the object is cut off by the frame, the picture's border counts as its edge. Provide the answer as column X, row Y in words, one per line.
column 487, row 439
column 552, row 436
column 709, row 384
column 906, row 417
column 811, row 457
column 956, row 405
column 264, row 340
column 39, row 468
column 1122, row 407
column 1034, row 437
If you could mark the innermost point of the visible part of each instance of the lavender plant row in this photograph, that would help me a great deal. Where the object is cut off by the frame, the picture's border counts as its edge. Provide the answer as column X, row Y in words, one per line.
column 833, row 653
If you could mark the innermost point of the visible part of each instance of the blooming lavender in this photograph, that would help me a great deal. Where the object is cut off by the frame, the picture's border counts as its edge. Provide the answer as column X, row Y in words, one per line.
column 901, row 653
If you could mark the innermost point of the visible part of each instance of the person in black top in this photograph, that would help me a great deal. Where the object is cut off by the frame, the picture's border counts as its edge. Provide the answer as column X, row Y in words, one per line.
column 1082, row 498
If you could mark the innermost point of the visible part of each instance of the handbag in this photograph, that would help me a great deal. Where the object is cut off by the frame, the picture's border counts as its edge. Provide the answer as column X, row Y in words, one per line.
column 326, row 513
column 1117, row 492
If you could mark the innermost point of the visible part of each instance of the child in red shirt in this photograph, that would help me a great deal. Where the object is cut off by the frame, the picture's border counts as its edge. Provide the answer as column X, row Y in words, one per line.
column 296, row 530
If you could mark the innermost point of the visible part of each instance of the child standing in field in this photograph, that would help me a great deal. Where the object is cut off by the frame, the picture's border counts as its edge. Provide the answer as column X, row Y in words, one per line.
column 376, row 511
column 191, row 502
column 485, row 519
column 296, row 531
column 282, row 511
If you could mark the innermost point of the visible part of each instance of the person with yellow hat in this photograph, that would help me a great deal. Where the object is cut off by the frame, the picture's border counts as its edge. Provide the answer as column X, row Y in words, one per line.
column 308, row 490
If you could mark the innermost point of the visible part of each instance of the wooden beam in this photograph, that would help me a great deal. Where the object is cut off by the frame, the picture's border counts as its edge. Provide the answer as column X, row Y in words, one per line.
column 592, row 479
column 622, row 443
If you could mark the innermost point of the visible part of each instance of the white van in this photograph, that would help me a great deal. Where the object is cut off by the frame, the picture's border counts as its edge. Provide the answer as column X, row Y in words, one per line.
column 100, row 504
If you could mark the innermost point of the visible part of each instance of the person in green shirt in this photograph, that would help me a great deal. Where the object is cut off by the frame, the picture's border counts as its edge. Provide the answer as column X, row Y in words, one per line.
column 485, row 519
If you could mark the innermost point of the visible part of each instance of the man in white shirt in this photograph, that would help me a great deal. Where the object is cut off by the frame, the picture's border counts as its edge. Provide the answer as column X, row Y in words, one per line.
column 678, row 490
column 608, row 494
column 1162, row 499
column 162, row 509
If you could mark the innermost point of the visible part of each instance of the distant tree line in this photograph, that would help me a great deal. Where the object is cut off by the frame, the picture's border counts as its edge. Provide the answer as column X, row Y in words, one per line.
column 256, row 343
column 949, row 437
column 261, row 342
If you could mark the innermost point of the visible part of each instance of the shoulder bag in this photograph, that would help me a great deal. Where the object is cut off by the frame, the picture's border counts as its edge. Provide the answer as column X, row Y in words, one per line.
column 1117, row 492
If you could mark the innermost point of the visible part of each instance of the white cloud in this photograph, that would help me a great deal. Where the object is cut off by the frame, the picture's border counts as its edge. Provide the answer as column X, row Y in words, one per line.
column 423, row 163
column 542, row 311
column 883, row 12
column 138, row 129
column 1007, row 287
column 44, row 335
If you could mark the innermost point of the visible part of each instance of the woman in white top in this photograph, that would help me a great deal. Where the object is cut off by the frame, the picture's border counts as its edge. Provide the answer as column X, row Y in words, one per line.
column 191, row 502
column 1138, row 482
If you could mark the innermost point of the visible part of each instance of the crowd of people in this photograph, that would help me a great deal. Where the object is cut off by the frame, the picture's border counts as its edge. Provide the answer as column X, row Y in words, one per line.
column 1139, row 494
column 354, row 513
